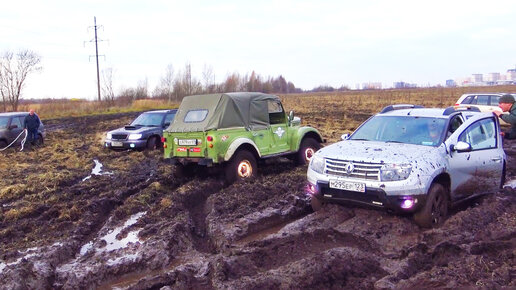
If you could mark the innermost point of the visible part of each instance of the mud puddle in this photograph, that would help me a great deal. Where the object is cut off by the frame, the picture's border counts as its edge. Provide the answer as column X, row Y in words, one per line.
column 97, row 170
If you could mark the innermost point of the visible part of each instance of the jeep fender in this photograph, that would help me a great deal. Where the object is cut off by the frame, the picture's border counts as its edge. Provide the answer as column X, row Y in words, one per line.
column 303, row 132
column 233, row 147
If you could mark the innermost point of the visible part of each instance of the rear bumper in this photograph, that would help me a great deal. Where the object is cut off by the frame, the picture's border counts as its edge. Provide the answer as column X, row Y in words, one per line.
column 186, row 160
column 372, row 197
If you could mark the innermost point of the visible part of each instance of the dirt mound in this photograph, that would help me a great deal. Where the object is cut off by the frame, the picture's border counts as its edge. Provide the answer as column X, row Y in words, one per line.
column 132, row 225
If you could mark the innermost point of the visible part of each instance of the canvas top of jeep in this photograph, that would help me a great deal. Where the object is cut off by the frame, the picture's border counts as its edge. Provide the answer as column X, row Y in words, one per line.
column 397, row 158
column 216, row 111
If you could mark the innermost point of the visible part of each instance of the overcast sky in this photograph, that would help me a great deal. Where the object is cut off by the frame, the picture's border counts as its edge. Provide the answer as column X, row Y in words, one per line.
column 310, row 43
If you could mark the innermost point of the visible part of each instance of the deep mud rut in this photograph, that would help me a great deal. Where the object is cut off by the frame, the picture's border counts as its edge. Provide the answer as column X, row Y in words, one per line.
column 131, row 225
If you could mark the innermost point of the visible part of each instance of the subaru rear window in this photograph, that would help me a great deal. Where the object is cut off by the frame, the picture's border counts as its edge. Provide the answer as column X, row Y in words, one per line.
column 195, row 116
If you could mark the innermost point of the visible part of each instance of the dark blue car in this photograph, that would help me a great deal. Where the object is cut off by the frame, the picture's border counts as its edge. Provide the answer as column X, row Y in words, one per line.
column 144, row 132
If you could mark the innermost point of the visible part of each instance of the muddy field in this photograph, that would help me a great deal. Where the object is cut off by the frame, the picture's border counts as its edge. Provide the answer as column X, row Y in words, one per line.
column 74, row 215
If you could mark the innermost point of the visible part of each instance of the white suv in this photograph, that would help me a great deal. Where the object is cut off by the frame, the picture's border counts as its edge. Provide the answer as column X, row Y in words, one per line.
column 411, row 159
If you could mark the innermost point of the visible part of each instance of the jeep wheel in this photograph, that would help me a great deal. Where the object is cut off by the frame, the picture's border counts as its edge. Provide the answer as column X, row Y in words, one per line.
column 307, row 149
column 241, row 166
column 435, row 210
column 3, row 144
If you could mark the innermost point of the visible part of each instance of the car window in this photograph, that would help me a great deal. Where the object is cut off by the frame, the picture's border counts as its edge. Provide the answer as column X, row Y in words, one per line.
column 494, row 100
column 3, row 122
column 276, row 114
column 483, row 100
column 455, row 123
column 195, row 116
column 18, row 121
column 480, row 135
column 467, row 100
column 169, row 118
column 148, row 119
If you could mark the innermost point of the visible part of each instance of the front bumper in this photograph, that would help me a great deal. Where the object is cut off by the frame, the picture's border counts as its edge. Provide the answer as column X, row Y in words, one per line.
column 125, row 144
column 372, row 197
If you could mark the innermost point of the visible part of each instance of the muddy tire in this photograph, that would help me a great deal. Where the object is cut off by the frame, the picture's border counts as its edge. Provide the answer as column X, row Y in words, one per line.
column 3, row 144
column 40, row 140
column 316, row 204
column 241, row 166
column 307, row 149
column 152, row 143
column 435, row 210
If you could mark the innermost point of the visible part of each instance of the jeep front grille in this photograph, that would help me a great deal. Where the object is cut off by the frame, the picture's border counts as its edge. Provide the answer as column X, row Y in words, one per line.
column 362, row 170
column 119, row 136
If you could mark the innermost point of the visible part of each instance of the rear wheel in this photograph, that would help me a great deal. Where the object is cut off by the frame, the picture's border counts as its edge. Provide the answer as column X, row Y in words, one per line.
column 241, row 166
column 3, row 144
column 316, row 203
column 435, row 210
column 307, row 149
column 40, row 140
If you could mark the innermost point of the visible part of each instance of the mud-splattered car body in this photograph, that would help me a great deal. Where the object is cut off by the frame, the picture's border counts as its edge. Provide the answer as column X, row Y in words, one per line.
column 11, row 126
column 235, row 130
column 392, row 161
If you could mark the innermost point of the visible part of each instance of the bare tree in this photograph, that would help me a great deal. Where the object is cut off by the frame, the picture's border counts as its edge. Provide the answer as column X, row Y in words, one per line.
column 107, row 85
column 14, row 69
column 166, row 86
column 208, row 77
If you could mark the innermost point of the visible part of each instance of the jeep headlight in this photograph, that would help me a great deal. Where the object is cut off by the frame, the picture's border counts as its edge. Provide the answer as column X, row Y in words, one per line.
column 317, row 164
column 134, row 136
column 393, row 172
column 109, row 136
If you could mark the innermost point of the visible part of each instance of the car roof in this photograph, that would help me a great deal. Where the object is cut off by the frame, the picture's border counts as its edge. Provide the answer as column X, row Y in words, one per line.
column 161, row 111
column 9, row 114
column 441, row 113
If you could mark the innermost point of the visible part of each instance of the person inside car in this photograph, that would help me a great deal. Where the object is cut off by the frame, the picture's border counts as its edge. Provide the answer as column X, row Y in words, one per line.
column 506, row 103
column 31, row 124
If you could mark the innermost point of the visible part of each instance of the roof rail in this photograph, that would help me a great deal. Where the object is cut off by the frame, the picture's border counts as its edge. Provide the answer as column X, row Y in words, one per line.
column 399, row 107
column 453, row 109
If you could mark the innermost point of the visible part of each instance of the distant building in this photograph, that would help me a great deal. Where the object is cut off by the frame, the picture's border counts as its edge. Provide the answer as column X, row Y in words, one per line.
column 403, row 85
column 511, row 74
column 477, row 78
column 451, row 83
column 493, row 77
column 372, row 86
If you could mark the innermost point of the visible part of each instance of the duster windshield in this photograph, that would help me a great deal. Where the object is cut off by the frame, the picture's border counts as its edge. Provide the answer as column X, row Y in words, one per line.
column 402, row 129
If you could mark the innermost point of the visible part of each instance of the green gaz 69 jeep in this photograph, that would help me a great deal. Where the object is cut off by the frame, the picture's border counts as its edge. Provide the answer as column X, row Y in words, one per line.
column 235, row 130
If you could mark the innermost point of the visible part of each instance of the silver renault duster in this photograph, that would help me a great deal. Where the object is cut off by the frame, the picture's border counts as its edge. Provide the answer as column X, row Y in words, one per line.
column 410, row 159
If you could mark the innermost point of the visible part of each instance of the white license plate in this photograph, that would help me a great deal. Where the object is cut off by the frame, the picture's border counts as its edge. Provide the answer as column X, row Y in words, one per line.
column 187, row 142
column 347, row 185
column 117, row 144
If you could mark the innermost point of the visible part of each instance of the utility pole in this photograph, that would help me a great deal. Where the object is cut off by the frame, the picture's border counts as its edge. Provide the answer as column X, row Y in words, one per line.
column 97, row 55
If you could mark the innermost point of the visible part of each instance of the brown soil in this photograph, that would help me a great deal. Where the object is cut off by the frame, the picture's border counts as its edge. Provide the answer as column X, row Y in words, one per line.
column 135, row 226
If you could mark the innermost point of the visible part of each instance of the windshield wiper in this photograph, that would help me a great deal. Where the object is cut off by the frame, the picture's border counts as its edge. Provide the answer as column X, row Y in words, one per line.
column 393, row 141
column 360, row 139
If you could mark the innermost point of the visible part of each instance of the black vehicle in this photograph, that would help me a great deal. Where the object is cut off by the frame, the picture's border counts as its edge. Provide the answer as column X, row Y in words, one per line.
column 144, row 132
column 11, row 125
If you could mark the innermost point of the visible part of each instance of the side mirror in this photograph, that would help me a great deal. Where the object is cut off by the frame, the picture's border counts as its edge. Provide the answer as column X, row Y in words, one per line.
column 344, row 136
column 166, row 125
column 461, row 147
column 13, row 127
column 290, row 116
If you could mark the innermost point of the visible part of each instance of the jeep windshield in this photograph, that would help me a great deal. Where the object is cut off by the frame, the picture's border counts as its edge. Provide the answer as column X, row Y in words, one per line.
column 402, row 129
column 148, row 120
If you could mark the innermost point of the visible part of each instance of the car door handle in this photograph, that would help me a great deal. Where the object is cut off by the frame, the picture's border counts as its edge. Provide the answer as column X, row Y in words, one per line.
column 496, row 159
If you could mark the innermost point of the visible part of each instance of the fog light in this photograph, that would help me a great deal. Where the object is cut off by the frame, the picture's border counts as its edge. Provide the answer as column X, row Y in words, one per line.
column 311, row 189
column 131, row 145
column 407, row 203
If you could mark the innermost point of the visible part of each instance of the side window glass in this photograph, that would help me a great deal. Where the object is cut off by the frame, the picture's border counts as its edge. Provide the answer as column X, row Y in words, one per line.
column 467, row 100
column 169, row 118
column 480, row 135
column 473, row 100
column 454, row 125
column 276, row 114
column 483, row 100
column 18, row 121
column 494, row 100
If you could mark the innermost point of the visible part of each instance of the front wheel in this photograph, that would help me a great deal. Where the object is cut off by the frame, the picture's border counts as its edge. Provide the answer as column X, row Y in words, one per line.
column 316, row 203
column 307, row 149
column 435, row 210
column 152, row 143
column 241, row 166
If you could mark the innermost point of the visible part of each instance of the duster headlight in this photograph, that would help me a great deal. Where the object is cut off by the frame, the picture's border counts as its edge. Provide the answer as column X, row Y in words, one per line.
column 393, row 172
column 317, row 163
column 109, row 136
